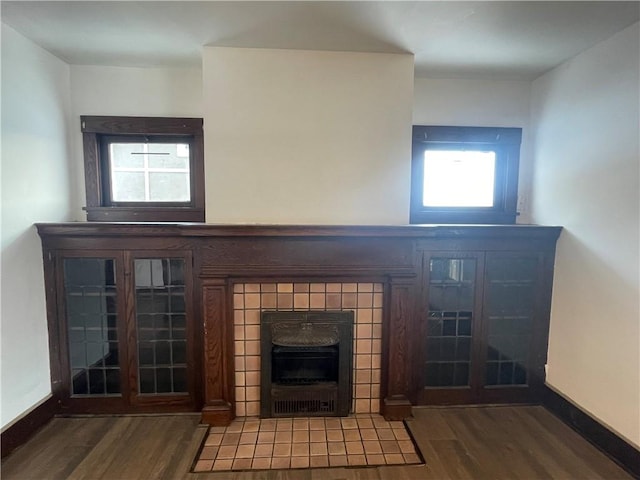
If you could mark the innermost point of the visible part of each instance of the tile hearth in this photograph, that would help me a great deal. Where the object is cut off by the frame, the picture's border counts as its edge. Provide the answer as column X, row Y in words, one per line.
column 261, row 444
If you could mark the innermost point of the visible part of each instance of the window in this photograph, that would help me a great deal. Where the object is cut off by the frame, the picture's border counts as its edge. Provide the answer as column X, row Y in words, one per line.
column 144, row 169
column 464, row 174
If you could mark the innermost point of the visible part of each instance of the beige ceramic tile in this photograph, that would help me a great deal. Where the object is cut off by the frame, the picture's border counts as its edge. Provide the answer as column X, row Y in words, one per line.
column 355, row 460
column 372, row 447
column 252, row 363
column 393, row 458
column 317, row 436
column 253, row 409
column 213, row 439
column 368, row 434
column 223, row 464
column 300, row 435
column 335, row 435
column 266, row 437
column 348, row 423
column 376, row 459
column 245, row 451
column 280, row 462
column 385, row 434
column 354, row 448
column 238, row 301
column 241, row 464
column 318, row 461
column 300, row 301
column 349, row 287
column 318, row 448
column 411, row 458
column 389, row 446
column 269, row 301
column 282, row 449
column 230, row 439
column 352, row 435
column 283, row 436
column 263, row 450
column 338, row 460
column 208, row 453
column 261, row 463
column 300, row 462
column 252, row 317
column 336, row 448
column 316, row 424
column 248, row 438
column 227, row 452
column 285, row 301
column 300, row 449
column 203, row 466
column 301, row 424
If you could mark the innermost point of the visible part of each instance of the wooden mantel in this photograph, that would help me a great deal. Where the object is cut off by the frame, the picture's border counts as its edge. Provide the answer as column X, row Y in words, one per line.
column 224, row 255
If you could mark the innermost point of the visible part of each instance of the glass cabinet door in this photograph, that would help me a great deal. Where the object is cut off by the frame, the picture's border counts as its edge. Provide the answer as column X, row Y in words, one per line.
column 160, row 322
column 91, row 314
column 448, row 326
column 510, row 290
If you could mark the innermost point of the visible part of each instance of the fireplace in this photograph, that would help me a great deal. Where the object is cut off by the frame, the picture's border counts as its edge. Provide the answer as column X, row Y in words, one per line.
column 306, row 363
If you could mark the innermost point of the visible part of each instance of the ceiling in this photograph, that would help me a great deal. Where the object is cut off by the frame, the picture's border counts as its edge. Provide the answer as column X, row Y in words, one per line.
column 500, row 40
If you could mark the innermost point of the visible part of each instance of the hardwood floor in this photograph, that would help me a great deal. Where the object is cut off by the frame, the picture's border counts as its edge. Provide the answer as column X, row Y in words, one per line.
column 523, row 442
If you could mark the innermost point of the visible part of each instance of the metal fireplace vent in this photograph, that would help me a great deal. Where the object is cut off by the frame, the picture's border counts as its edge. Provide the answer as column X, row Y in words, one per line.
column 306, row 363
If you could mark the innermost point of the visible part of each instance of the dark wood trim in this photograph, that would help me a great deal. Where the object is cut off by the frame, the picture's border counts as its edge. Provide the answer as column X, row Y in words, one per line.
column 157, row 229
column 617, row 448
column 218, row 355
column 114, row 125
column 96, row 130
column 23, row 429
column 144, row 214
column 505, row 142
column 396, row 339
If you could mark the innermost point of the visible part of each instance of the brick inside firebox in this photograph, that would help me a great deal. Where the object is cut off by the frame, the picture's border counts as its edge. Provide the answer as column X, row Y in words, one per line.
column 365, row 299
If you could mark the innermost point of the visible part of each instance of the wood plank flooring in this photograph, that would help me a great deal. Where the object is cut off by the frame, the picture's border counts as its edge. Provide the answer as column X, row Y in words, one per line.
column 492, row 443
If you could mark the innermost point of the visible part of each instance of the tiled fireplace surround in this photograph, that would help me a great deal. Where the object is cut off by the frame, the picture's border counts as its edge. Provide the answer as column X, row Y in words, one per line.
column 365, row 299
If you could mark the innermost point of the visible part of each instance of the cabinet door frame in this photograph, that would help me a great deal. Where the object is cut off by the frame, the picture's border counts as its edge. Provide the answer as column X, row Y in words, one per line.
column 187, row 399
column 90, row 404
column 447, row 395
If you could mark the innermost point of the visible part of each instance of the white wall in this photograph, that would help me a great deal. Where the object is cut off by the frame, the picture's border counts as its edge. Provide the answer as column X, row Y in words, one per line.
column 480, row 103
column 35, row 188
column 307, row 137
column 140, row 92
column 587, row 179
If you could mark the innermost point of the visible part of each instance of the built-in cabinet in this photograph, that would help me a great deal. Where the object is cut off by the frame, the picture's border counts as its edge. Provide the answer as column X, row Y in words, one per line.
column 141, row 316
column 125, row 330
column 482, row 326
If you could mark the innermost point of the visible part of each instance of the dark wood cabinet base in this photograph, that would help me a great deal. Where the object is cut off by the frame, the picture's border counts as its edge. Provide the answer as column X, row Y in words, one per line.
column 396, row 408
column 217, row 415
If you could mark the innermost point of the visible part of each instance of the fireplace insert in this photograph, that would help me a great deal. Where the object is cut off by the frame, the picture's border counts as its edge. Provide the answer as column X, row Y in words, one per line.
column 306, row 363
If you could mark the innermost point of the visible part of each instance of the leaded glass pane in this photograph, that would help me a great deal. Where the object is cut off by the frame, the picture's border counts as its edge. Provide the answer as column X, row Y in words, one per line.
column 91, row 314
column 510, row 308
column 449, row 322
column 160, row 325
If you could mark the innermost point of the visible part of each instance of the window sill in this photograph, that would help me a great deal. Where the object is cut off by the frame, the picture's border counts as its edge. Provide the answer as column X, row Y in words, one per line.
column 141, row 214
column 463, row 217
